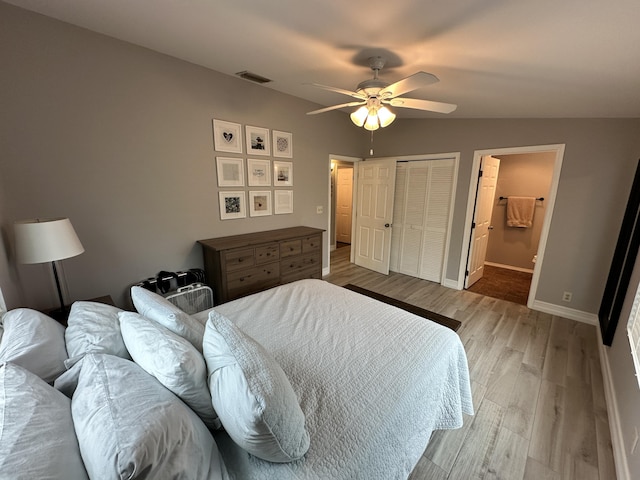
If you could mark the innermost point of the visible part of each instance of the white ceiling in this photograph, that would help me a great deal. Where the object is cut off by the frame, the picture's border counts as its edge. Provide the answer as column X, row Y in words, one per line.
column 494, row 58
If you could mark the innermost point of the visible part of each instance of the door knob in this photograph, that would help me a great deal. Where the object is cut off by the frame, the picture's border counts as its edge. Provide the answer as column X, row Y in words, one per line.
column 490, row 227
column 387, row 225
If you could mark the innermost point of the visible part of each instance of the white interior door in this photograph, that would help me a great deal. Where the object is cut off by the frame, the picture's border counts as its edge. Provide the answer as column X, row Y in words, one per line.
column 482, row 218
column 374, row 214
column 344, row 196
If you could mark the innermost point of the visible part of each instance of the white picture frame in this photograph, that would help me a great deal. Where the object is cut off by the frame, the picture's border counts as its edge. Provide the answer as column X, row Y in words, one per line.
column 227, row 136
column 282, row 174
column 259, row 203
column 283, row 202
column 258, row 142
column 230, row 171
column 232, row 205
column 258, row 172
column 282, row 144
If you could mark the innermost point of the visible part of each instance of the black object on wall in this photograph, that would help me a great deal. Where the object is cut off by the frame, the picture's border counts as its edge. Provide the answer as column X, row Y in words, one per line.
column 624, row 258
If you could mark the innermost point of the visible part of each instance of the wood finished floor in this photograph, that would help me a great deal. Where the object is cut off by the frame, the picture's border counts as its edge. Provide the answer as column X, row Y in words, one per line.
column 540, row 412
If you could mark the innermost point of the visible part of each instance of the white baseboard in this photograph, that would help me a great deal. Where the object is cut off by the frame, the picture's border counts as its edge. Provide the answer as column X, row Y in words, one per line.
column 509, row 267
column 615, row 425
column 570, row 313
column 447, row 282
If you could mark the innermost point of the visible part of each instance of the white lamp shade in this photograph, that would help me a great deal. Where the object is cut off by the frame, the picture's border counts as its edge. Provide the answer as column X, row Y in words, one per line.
column 360, row 115
column 45, row 240
column 372, row 122
column 386, row 116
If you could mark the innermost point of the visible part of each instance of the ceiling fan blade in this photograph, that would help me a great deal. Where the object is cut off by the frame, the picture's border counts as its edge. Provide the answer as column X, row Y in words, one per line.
column 338, row 90
column 428, row 105
column 336, row 107
column 408, row 84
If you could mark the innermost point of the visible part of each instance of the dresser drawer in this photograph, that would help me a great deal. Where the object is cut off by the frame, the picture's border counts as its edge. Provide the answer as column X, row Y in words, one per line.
column 311, row 244
column 290, row 248
column 267, row 253
column 304, row 262
column 239, row 259
column 253, row 279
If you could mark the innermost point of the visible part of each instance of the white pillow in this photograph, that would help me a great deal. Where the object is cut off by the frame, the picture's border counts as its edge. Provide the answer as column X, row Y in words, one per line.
column 157, row 308
column 130, row 426
column 37, row 439
column 93, row 327
column 252, row 395
column 34, row 341
column 172, row 360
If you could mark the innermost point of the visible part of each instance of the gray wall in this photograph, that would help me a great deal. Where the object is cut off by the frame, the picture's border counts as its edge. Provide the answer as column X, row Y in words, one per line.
column 119, row 139
column 599, row 164
column 525, row 175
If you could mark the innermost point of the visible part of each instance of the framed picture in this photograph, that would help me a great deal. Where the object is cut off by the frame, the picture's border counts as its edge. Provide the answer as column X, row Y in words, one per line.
column 282, row 174
column 232, row 205
column 283, row 201
column 227, row 136
column 282, row 144
column 259, row 172
column 260, row 203
column 230, row 172
column 258, row 141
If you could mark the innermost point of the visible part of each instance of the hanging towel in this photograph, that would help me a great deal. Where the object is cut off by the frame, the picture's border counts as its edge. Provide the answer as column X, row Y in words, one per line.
column 520, row 211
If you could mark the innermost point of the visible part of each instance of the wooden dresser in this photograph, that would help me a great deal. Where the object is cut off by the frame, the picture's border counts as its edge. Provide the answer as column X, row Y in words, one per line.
column 239, row 265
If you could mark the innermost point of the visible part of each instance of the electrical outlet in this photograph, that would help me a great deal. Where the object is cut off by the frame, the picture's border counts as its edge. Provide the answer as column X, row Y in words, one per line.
column 319, row 209
column 566, row 296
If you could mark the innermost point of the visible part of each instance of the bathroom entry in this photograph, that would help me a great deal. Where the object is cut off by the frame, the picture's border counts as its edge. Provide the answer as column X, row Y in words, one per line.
column 510, row 253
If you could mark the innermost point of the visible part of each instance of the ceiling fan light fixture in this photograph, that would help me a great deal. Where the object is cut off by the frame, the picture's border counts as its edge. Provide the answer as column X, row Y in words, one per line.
column 372, row 122
column 386, row 116
column 360, row 115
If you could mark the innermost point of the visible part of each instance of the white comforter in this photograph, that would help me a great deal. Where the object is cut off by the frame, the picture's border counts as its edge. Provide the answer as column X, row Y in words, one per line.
column 373, row 381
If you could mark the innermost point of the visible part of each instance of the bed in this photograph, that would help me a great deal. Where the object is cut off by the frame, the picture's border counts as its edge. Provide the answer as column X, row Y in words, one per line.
column 357, row 387
column 372, row 380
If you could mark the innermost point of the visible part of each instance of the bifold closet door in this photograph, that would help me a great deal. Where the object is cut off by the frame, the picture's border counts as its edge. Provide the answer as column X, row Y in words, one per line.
column 421, row 217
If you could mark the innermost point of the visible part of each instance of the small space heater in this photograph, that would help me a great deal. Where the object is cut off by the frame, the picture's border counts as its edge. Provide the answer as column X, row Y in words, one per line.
column 192, row 298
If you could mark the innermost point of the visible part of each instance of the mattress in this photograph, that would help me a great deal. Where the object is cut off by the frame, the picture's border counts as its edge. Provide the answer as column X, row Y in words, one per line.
column 373, row 380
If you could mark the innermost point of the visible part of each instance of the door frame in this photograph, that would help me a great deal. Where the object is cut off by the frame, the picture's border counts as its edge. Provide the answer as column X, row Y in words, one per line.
column 330, row 213
column 544, row 234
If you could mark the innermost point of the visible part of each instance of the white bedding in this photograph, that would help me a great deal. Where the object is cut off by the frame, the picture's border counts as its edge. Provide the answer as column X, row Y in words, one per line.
column 373, row 381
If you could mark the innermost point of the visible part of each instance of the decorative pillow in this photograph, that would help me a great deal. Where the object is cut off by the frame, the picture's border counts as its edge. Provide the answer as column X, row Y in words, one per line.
column 252, row 395
column 34, row 341
column 172, row 360
column 130, row 426
column 37, row 439
column 93, row 327
column 157, row 308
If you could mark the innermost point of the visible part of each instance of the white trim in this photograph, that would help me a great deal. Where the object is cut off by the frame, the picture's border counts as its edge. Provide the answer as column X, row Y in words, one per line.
column 566, row 312
column 550, row 202
column 340, row 158
column 449, row 283
column 615, row 424
column 509, row 267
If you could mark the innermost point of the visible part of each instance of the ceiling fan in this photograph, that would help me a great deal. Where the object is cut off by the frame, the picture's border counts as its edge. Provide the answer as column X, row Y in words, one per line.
column 374, row 95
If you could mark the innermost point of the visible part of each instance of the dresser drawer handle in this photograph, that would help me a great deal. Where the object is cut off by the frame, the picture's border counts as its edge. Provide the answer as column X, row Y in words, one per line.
column 242, row 279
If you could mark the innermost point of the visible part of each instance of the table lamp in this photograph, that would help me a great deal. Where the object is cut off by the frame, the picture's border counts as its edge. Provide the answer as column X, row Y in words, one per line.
column 44, row 240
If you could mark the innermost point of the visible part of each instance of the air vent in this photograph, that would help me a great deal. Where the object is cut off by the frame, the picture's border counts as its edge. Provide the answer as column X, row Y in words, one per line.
column 252, row 77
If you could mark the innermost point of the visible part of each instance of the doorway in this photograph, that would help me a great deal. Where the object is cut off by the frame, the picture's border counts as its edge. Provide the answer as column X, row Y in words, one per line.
column 514, row 255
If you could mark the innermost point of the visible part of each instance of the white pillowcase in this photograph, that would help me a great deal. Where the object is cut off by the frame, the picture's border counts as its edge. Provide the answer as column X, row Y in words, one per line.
column 252, row 395
column 34, row 341
column 172, row 360
column 93, row 327
column 157, row 308
column 130, row 426
column 37, row 439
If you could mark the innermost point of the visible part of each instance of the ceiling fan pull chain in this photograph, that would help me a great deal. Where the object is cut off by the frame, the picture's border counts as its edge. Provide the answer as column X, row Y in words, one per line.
column 371, row 149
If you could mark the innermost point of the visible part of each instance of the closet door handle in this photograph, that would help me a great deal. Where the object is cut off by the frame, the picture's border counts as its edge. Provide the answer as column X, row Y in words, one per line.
column 387, row 225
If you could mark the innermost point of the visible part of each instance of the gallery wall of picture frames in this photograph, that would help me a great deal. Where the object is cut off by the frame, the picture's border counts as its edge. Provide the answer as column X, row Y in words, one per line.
column 261, row 173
